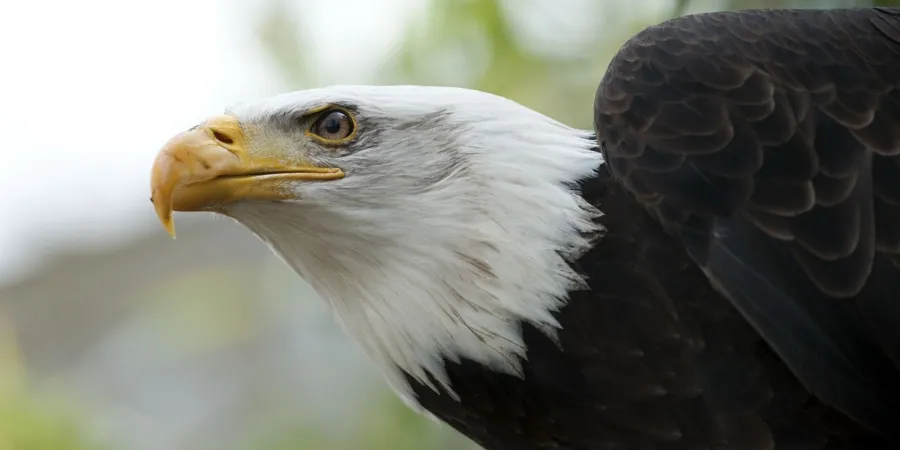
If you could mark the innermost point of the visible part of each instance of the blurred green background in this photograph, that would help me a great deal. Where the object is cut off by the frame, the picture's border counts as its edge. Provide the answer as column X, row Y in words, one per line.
column 210, row 342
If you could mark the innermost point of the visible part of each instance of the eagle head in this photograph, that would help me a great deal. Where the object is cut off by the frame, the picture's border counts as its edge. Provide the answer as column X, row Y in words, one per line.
column 434, row 221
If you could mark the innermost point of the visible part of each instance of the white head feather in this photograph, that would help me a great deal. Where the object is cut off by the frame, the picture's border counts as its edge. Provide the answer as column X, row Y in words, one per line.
column 453, row 225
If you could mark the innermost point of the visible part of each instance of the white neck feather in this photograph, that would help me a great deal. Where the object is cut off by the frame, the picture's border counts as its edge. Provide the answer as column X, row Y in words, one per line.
column 453, row 270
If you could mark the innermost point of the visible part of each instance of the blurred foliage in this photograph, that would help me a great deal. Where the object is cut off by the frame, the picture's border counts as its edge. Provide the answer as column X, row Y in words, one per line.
column 388, row 424
column 478, row 44
column 283, row 39
column 186, row 317
column 29, row 421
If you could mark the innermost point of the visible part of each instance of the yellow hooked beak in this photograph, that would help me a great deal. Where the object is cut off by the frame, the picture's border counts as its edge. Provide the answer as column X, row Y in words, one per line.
column 211, row 166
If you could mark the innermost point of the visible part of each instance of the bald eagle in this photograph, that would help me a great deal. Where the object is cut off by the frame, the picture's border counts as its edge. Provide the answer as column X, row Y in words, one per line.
column 715, row 266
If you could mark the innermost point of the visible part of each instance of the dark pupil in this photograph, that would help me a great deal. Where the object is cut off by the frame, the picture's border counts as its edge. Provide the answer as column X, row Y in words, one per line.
column 333, row 124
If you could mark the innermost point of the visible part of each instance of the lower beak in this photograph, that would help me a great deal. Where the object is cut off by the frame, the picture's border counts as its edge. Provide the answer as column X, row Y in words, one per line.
column 210, row 166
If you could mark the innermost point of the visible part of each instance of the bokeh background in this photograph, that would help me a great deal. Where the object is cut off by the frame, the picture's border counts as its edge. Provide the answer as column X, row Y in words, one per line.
column 112, row 335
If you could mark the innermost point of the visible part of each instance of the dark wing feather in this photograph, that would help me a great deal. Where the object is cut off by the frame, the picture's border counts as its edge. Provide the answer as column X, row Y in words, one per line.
column 649, row 357
column 769, row 142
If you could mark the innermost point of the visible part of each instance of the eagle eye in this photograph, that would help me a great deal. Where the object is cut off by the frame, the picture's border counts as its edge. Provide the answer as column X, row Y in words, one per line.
column 333, row 126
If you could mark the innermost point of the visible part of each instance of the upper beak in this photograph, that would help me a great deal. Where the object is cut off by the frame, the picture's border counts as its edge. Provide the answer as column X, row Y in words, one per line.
column 211, row 165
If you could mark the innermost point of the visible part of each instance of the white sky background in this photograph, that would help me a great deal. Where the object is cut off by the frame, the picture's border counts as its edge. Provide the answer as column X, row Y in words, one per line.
column 90, row 89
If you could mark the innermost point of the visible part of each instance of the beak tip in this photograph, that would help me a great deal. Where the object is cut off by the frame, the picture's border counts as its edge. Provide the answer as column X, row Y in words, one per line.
column 169, row 225
column 165, row 218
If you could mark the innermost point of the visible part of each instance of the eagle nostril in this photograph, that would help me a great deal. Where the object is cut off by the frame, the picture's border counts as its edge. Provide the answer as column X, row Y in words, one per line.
column 222, row 137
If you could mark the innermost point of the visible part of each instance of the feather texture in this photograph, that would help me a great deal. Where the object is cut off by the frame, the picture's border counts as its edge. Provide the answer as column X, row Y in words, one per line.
column 781, row 130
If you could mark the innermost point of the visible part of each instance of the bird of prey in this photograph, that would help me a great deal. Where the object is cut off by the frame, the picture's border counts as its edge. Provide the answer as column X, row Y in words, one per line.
column 715, row 266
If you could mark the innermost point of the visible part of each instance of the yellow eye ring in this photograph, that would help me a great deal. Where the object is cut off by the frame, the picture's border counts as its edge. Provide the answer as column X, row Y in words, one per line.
column 333, row 126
